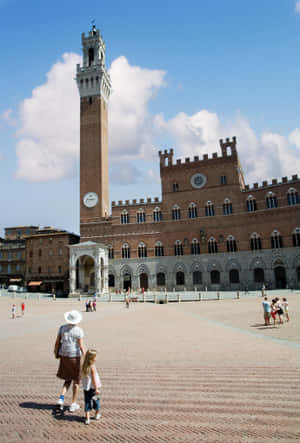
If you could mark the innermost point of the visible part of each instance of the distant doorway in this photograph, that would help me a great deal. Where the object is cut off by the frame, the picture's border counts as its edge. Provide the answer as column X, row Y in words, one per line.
column 280, row 277
column 126, row 281
column 144, row 281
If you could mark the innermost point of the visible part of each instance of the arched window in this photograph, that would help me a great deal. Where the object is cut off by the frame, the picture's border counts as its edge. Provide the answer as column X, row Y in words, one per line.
column 197, row 278
column 271, row 200
column 212, row 245
column 40, row 252
column 192, row 210
column 111, row 281
column 209, row 209
column 227, row 207
column 141, row 216
column 157, row 216
column 251, row 204
column 124, row 217
column 110, row 252
column 175, row 187
column 195, row 247
column 296, row 237
column 215, row 277
column 142, row 250
column 255, row 242
column 39, row 270
column 178, row 249
column 234, row 276
column 179, row 278
column 125, row 251
column 276, row 240
column 160, row 279
column 176, row 212
column 259, row 275
column 293, row 197
column 159, row 249
column 231, row 244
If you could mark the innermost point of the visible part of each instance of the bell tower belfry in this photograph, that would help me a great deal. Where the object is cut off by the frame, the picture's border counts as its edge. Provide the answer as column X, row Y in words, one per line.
column 94, row 86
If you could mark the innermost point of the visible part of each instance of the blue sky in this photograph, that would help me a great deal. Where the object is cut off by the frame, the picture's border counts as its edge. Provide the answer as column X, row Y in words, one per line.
column 187, row 73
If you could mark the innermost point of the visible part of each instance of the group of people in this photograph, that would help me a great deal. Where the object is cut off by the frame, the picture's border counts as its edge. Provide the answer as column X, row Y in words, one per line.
column 69, row 348
column 14, row 310
column 276, row 308
column 90, row 306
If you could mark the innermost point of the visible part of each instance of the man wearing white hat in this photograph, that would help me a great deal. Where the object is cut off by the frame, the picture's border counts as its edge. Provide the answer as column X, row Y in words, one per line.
column 69, row 348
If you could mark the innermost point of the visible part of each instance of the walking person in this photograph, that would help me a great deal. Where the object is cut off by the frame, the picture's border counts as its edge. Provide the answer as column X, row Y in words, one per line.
column 285, row 306
column 23, row 308
column 94, row 305
column 267, row 311
column 273, row 311
column 68, row 348
column 279, row 310
column 14, row 311
column 91, row 385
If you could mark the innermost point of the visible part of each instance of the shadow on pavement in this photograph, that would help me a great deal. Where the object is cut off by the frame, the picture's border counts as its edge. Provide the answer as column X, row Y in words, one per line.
column 50, row 407
column 263, row 326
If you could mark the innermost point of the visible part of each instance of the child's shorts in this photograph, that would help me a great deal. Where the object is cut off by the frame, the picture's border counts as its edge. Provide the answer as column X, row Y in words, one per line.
column 91, row 401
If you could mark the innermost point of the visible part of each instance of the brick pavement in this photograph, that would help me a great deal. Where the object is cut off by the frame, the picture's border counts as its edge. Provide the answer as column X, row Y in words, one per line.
column 179, row 372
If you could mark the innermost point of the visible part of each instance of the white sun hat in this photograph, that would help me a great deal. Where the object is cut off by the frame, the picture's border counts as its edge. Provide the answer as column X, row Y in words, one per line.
column 73, row 317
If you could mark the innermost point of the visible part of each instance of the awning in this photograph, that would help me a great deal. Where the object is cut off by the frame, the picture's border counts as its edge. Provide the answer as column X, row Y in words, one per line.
column 15, row 279
column 35, row 283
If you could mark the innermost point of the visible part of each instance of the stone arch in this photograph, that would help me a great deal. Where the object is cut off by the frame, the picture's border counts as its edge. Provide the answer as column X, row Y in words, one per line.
column 179, row 267
column 214, row 265
column 126, row 275
column 257, row 262
column 232, row 264
column 278, row 261
column 196, row 266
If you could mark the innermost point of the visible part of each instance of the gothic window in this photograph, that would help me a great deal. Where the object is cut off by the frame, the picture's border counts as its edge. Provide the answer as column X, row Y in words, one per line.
column 231, row 244
column 160, row 279
column 60, row 251
column 223, row 179
column 227, row 207
column 215, row 277
column 255, row 242
column 195, row 247
column 39, row 270
column 18, row 267
column 176, row 212
column 175, row 187
column 212, row 245
column 142, row 250
column 59, row 269
column 276, row 240
column 9, row 268
column 40, row 252
column 30, row 254
column 125, row 251
column 141, row 216
column 110, row 252
column 197, row 278
column 234, row 276
column 259, row 275
column 180, row 278
column 159, row 249
column 50, row 252
column 293, row 197
column 157, row 216
column 178, row 249
column 251, row 204
column 209, row 209
column 192, row 210
column 271, row 200
column 91, row 56
column 124, row 217
column 296, row 237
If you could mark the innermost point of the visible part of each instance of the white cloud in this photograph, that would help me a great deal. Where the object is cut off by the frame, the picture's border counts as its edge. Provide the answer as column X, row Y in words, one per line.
column 297, row 7
column 8, row 118
column 48, row 145
column 48, row 130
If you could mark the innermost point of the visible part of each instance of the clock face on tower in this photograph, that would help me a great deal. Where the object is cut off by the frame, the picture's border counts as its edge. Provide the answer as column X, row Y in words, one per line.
column 198, row 180
column 90, row 199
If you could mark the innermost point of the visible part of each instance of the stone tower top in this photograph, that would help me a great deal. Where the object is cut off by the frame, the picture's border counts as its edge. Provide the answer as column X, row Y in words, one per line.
column 92, row 77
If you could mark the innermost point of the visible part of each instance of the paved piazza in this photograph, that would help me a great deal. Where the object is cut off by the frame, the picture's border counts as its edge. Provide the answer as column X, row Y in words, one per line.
column 194, row 371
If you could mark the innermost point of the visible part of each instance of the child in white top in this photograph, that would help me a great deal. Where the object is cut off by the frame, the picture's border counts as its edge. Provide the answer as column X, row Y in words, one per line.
column 91, row 385
column 285, row 305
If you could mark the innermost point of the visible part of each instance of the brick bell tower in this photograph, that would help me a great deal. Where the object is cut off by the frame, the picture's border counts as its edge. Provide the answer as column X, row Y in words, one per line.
column 94, row 87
